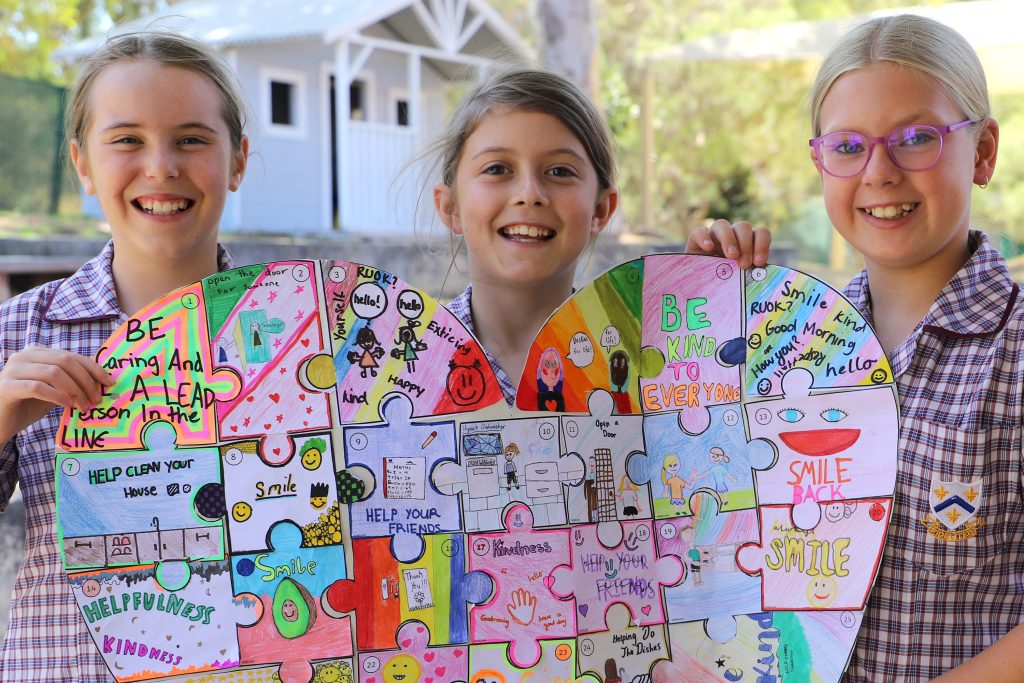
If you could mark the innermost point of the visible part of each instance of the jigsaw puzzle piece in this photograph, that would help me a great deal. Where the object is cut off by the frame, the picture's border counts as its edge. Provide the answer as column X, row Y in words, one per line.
column 509, row 461
column 520, row 562
column 163, row 370
column 399, row 458
column 615, row 563
column 718, row 459
column 604, row 442
column 301, row 489
column 796, row 321
column 556, row 661
column 597, row 333
column 623, row 652
column 265, row 326
column 786, row 646
column 829, row 566
column 130, row 508
column 162, row 620
column 691, row 312
column 388, row 337
column 706, row 542
column 832, row 446
column 415, row 662
column 433, row 590
column 289, row 580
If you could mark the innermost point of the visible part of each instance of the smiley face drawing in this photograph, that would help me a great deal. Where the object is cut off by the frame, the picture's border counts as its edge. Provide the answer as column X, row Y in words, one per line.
column 402, row 669
column 241, row 511
column 822, row 591
column 312, row 454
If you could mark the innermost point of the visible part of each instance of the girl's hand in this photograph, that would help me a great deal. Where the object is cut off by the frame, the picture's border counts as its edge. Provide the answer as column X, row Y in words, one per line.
column 37, row 378
column 738, row 241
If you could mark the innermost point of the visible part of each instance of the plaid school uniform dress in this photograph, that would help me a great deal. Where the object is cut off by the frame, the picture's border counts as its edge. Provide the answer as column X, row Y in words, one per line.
column 951, row 580
column 460, row 308
column 47, row 639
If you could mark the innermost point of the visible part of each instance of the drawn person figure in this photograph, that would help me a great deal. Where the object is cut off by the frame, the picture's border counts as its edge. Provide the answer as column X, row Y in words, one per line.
column 590, row 488
column 688, row 534
column 550, row 378
column 257, row 338
column 371, row 352
column 511, row 451
column 410, row 345
column 155, row 127
column 618, row 374
column 629, row 495
column 719, row 473
column 903, row 129
column 673, row 485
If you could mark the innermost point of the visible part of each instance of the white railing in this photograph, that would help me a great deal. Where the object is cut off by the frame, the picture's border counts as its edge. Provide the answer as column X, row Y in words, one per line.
column 379, row 198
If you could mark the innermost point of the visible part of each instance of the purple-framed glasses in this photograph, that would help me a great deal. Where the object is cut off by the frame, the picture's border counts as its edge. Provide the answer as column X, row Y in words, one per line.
column 913, row 148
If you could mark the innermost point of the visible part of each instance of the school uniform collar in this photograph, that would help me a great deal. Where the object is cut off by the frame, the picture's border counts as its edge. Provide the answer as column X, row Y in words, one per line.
column 976, row 302
column 89, row 294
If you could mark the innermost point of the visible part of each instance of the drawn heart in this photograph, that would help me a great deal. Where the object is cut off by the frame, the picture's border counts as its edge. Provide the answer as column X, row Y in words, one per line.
column 551, row 404
column 440, row 670
column 305, row 423
column 234, row 428
column 646, row 609
column 302, row 397
column 419, row 629
column 584, row 609
column 267, row 425
column 274, row 397
column 277, row 451
column 169, row 637
column 457, row 653
column 549, row 581
column 250, row 398
column 371, row 680
column 224, row 651
column 305, row 342
column 406, row 643
column 429, row 656
column 428, row 679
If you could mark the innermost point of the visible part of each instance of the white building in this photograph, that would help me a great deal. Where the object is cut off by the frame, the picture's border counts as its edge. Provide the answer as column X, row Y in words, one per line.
column 327, row 157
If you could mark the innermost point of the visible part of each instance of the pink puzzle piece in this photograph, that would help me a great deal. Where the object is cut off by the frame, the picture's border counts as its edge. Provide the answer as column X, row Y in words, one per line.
column 613, row 564
column 415, row 661
column 829, row 567
column 523, row 609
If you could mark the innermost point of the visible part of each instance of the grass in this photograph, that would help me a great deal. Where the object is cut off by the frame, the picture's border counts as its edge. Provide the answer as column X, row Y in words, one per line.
column 41, row 226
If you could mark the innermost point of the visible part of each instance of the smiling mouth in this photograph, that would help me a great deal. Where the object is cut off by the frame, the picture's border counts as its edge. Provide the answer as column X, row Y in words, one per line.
column 891, row 211
column 526, row 233
column 160, row 208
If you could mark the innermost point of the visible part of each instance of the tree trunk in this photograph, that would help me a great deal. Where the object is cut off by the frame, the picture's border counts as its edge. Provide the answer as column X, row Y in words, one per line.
column 569, row 32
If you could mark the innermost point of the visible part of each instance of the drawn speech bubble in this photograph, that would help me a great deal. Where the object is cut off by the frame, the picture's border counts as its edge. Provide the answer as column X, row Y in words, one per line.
column 610, row 337
column 581, row 350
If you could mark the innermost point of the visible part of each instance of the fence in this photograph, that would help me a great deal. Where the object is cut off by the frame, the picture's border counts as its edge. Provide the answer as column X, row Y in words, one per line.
column 33, row 178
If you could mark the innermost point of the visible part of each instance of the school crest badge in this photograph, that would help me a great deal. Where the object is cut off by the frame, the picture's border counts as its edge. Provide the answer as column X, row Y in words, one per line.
column 954, row 509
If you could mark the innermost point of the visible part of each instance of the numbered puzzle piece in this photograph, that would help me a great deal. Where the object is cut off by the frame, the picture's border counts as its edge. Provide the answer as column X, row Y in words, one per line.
column 615, row 562
column 139, row 507
column 591, row 342
column 434, row 589
column 163, row 620
column 718, row 459
column 415, row 662
column 163, row 371
column 301, row 490
column 399, row 458
column 386, row 336
column 289, row 581
column 832, row 446
column 604, row 442
column 625, row 651
column 784, row 646
column 523, row 609
column 265, row 326
column 506, row 462
column 556, row 661
column 830, row 566
column 707, row 542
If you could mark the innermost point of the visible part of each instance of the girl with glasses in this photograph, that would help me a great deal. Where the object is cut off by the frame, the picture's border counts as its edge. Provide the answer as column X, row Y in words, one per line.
column 903, row 129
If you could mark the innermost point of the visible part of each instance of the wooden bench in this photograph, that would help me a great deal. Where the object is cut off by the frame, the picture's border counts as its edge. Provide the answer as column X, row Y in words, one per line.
column 38, row 269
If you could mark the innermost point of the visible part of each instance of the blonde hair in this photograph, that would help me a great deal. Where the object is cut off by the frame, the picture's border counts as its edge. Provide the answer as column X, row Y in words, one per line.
column 162, row 47
column 670, row 458
column 914, row 42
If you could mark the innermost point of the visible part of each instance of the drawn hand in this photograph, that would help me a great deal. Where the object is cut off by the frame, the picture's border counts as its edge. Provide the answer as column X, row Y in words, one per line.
column 522, row 607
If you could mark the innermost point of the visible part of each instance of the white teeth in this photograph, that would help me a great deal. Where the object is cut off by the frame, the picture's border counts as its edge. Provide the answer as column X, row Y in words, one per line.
column 528, row 231
column 890, row 211
column 159, row 208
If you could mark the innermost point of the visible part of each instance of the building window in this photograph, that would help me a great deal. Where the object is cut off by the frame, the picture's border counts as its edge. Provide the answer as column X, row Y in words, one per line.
column 402, row 112
column 283, row 106
column 356, row 103
column 281, row 103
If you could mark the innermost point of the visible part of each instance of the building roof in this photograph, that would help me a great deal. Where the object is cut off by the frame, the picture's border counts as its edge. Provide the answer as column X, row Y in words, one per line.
column 227, row 23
